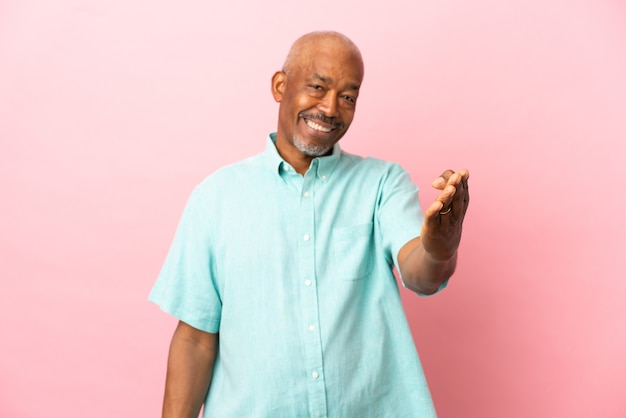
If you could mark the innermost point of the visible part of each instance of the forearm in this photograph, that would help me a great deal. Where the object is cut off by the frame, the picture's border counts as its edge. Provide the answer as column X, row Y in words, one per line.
column 423, row 274
column 428, row 260
column 189, row 372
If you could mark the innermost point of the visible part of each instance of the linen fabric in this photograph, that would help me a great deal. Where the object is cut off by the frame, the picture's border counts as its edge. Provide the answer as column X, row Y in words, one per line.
column 295, row 273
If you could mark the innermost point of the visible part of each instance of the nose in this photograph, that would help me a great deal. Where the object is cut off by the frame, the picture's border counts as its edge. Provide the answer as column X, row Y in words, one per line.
column 328, row 105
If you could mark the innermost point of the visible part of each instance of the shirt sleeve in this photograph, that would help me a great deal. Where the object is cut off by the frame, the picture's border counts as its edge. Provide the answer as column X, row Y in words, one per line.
column 186, row 286
column 400, row 214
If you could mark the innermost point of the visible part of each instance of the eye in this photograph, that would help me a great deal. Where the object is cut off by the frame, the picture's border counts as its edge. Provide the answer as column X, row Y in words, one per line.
column 349, row 99
column 317, row 91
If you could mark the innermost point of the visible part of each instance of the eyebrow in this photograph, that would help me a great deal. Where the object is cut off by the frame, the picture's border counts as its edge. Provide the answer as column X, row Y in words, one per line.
column 329, row 80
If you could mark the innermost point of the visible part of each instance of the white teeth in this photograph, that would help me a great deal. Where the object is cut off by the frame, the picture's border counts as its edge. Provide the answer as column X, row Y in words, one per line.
column 316, row 126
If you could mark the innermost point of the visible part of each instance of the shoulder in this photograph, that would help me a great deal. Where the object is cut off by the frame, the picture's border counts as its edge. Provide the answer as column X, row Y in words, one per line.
column 232, row 175
column 372, row 167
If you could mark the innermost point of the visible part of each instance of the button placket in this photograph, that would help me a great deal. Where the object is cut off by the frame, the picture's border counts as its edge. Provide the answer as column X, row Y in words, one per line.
column 309, row 297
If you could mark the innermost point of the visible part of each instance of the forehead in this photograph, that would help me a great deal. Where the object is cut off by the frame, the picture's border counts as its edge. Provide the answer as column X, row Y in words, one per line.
column 331, row 63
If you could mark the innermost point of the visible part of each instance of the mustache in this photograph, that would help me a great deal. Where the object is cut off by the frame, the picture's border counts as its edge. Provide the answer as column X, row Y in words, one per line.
column 322, row 118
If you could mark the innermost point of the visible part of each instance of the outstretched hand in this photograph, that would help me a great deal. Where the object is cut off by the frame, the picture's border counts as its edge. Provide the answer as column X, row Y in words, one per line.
column 441, row 231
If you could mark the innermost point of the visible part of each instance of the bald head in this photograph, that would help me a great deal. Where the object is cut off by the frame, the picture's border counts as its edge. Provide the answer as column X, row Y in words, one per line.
column 305, row 49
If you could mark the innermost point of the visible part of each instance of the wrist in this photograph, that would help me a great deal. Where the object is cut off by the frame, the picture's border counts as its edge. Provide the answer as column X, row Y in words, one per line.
column 439, row 259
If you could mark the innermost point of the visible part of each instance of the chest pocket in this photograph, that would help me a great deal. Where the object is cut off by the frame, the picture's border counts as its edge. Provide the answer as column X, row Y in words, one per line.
column 352, row 251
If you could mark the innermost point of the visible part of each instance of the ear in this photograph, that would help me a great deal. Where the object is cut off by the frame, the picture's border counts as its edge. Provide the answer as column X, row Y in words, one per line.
column 278, row 85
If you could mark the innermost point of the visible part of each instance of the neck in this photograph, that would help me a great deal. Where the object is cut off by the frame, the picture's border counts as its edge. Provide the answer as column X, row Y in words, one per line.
column 299, row 160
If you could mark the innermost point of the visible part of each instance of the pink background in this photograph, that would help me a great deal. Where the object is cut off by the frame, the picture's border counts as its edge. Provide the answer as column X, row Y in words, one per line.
column 111, row 111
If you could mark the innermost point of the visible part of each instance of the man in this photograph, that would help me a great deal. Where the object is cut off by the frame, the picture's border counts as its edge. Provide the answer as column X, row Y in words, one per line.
column 281, row 269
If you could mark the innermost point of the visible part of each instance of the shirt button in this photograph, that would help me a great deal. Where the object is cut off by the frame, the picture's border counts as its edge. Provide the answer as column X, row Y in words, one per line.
column 307, row 282
column 323, row 177
column 311, row 327
column 306, row 237
column 315, row 375
column 307, row 194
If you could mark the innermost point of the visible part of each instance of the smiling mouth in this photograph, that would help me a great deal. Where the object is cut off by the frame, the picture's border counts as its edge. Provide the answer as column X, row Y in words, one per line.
column 325, row 125
column 317, row 126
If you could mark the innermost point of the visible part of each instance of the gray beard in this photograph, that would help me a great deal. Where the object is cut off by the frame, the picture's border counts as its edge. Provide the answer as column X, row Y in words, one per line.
column 310, row 150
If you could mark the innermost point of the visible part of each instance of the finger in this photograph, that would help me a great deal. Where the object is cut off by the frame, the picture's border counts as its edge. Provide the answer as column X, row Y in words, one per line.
column 461, row 197
column 454, row 179
column 441, row 181
column 441, row 209
column 453, row 195
column 466, row 194
column 446, row 197
column 458, row 200
column 432, row 214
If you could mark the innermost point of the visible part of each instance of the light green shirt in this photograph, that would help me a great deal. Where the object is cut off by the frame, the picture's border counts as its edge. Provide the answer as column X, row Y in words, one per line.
column 296, row 274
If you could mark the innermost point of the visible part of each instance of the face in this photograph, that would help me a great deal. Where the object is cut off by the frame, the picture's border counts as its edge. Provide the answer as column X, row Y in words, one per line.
column 317, row 101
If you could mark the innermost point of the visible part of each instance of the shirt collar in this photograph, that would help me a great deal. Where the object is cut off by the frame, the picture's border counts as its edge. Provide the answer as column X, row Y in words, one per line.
column 324, row 166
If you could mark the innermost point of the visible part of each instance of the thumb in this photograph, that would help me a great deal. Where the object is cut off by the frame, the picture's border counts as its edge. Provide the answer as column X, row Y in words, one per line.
column 439, row 183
